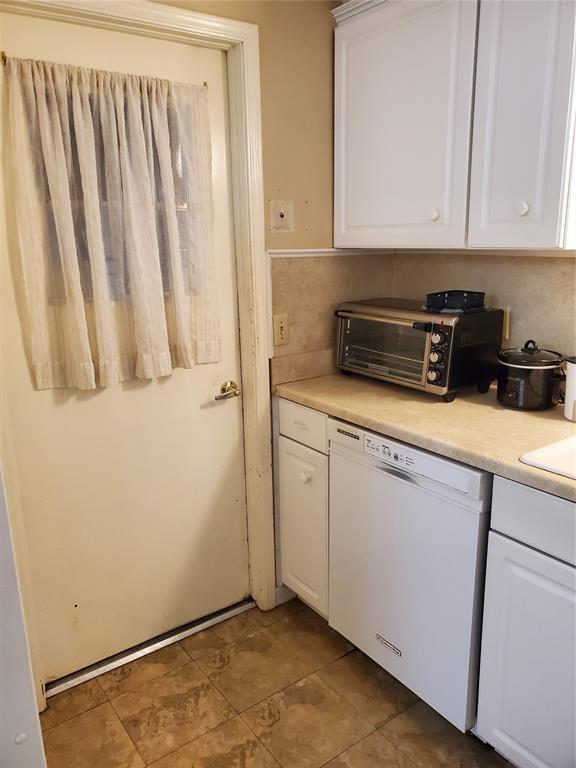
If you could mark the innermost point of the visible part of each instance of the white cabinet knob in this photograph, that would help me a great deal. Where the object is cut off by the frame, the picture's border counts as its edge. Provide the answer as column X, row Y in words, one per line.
column 522, row 208
column 305, row 477
column 433, row 214
column 20, row 739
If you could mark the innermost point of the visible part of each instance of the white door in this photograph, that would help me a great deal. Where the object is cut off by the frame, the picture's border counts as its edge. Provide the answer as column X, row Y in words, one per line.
column 526, row 706
column 133, row 498
column 303, row 481
column 523, row 126
column 403, row 97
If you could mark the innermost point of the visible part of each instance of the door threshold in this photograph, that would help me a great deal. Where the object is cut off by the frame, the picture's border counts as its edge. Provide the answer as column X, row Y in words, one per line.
column 137, row 652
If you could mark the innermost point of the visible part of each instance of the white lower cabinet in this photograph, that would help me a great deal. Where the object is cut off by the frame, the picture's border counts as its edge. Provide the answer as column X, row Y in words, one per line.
column 526, row 707
column 303, row 501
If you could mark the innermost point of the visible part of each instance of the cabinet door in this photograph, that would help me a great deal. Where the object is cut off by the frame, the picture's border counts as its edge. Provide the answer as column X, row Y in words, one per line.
column 526, row 704
column 303, row 495
column 403, row 100
column 523, row 124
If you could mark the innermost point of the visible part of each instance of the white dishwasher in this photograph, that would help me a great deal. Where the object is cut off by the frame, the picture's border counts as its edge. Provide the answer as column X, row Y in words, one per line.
column 408, row 538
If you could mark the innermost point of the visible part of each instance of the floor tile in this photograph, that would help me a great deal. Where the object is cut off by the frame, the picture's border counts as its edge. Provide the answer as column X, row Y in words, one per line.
column 373, row 693
column 163, row 714
column 231, row 745
column 374, row 751
column 309, row 638
column 266, row 618
column 432, row 742
column 306, row 724
column 220, row 635
column 251, row 669
column 72, row 702
column 95, row 739
column 153, row 665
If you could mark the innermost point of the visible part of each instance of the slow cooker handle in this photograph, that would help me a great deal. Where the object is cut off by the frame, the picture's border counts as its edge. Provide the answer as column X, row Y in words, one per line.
column 530, row 346
column 560, row 377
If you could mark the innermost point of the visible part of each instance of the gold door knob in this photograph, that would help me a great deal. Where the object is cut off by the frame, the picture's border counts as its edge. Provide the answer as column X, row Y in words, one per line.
column 228, row 389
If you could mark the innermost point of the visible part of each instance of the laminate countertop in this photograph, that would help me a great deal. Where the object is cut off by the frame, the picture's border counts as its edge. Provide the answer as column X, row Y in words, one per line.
column 474, row 428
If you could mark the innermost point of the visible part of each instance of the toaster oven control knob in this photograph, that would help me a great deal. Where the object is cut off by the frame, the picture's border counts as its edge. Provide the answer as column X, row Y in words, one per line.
column 438, row 337
column 433, row 375
column 436, row 357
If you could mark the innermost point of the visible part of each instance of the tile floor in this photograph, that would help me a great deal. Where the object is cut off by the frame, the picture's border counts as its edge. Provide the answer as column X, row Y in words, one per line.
column 261, row 690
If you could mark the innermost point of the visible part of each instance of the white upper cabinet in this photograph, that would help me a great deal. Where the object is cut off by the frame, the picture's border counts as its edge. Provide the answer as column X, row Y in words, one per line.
column 410, row 168
column 523, row 125
column 403, row 100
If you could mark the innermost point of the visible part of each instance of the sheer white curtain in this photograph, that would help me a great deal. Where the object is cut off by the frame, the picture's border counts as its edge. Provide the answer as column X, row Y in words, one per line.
column 113, row 196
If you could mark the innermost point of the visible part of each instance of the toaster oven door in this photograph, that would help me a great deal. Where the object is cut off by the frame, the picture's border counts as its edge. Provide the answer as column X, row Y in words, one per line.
column 388, row 348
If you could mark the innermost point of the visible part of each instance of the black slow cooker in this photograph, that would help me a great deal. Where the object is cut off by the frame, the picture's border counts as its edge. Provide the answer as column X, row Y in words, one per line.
column 529, row 378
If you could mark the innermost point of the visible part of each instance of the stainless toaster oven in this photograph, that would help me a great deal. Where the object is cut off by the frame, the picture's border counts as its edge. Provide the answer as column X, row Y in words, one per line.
column 397, row 340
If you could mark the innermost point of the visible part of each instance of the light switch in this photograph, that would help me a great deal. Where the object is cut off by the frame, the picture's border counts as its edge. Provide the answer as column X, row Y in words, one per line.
column 281, row 216
column 280, row 330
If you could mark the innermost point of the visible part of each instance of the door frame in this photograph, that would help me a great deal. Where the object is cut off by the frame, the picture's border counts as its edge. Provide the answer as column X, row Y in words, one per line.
column 240, row 42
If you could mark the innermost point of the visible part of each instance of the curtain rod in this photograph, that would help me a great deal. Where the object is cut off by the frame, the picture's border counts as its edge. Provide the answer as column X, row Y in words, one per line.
column 3, row 59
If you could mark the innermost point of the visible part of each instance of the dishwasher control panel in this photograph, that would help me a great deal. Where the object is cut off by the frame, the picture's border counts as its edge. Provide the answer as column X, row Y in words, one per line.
column 473, row 483
column 385, row 450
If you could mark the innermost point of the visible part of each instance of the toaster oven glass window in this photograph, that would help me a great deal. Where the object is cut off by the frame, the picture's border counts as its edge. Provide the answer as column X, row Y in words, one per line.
column 385, row 348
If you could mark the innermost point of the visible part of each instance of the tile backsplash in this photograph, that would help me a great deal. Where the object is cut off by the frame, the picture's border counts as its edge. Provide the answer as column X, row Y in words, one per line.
column 309, row 289
column 539, row 290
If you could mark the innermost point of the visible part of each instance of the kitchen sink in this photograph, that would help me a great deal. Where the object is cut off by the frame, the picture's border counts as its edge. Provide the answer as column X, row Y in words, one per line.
column 559, row 457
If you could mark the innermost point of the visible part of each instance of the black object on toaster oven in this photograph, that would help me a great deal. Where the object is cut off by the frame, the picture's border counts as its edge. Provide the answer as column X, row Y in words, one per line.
column 455, row 301
column 529, row 378
column 399, row 341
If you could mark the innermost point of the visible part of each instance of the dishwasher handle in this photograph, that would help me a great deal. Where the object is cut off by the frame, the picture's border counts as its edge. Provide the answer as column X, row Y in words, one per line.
column 397, row 473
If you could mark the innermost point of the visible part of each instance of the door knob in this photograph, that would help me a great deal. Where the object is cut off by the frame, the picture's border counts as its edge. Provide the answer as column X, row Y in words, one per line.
column 228, row 389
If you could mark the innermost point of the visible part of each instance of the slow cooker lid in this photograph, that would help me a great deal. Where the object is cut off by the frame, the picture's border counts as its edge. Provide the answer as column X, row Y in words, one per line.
column 530, row 356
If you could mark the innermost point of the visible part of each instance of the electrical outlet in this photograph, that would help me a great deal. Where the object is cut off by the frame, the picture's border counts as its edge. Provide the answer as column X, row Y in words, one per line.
column 281, row 216
column 506, row 324
column 280, row 330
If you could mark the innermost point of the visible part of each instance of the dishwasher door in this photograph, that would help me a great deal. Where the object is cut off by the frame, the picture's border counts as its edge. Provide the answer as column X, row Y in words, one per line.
column 406, row 577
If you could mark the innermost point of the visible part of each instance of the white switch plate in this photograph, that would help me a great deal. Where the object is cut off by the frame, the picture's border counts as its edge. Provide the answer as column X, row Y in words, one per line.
column 280, row 330
column 281, row 216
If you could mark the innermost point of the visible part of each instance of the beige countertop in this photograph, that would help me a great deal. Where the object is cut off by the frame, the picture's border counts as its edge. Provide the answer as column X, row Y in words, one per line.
column 474, row 429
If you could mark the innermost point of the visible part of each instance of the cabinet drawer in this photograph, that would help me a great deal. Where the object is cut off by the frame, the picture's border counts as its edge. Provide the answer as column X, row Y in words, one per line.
column 303, row 424
column 533, row 517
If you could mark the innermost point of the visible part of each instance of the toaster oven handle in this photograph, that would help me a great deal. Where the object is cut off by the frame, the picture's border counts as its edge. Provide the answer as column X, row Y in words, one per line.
column 426, row 327
column 374, row 318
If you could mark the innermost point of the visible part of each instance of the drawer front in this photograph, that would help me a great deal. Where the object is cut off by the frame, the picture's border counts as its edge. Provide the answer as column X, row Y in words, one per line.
column 303, row 424
column 533, row 517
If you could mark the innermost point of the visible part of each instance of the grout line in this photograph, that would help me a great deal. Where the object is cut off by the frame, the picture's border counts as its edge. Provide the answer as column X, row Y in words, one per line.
column 149, row 680
column 214, row 685
column 67, row 720
column 129, row 736
column 259, row 740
